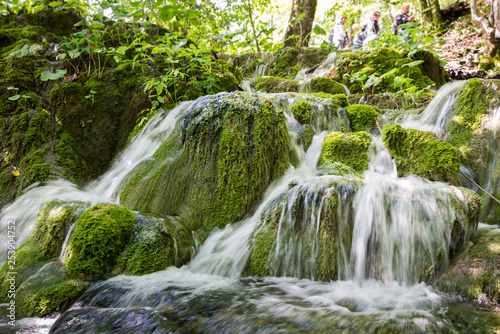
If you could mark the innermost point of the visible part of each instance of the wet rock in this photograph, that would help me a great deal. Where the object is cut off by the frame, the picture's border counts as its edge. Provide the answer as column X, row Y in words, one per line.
column 475, row 271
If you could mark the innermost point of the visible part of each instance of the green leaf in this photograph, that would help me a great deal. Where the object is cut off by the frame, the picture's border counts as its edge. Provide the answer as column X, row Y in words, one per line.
column 49, row 75
column 413, row 63
column 318, row 30
column 13, row 88
column 54, row 4
column 122, row 49
column 161, row 99
column 15, row 97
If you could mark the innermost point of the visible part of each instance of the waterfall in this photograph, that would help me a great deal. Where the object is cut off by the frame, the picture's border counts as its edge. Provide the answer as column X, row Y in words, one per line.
column 24, row 210
column 433, row 117
column 389, row 231
column 321, row 70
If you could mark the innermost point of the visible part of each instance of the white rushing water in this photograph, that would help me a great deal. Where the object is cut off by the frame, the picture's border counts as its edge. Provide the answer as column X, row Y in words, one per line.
column 433, row 117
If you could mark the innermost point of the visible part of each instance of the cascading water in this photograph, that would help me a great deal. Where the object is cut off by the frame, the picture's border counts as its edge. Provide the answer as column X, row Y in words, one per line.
column 384, row 226
column 24, row 210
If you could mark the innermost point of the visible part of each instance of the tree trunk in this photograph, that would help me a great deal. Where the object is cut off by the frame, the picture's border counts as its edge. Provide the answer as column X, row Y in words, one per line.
column 437, row 18
column 299, row 33
column 491, row 28
column 431, row 13
column 426, row 12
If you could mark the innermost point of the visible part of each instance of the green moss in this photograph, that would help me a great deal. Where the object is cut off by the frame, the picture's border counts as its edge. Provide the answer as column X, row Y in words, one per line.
column 275, row 85
column 33, row 168
column 422, row 153
column 306, row 249
column 376, row 62
column 326, row 85
column 351, row 149
column 101, row 234
column 263, row 241
column 362, row 116
column 301, row 111
column 156, row 244
column 39, row 131
column 341, row 100
column 214, row 169
column 475, row 272
column 45, row 242
column 50, row 290
column 290, row 60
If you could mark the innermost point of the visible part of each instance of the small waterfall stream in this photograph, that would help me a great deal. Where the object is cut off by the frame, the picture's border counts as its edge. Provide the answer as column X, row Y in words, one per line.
column 379, row 285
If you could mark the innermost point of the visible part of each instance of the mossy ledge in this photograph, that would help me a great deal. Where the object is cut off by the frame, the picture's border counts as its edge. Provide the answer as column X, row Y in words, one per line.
column 422, row 153
column 216, row 165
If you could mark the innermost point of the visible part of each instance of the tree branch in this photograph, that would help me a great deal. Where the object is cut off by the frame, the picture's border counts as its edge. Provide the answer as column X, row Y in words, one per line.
column 485, row 23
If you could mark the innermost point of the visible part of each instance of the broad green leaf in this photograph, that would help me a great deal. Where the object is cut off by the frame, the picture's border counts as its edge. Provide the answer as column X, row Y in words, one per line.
column 122, row 49
column 49, row 75
column 54, row 4
column 15, row 97
column 413, row 63
column 318, row 30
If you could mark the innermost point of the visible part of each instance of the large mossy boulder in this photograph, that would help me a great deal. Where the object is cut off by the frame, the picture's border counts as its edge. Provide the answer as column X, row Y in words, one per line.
column 101, row 234
column 349, row 149
column 377, row 62
column 472, row 126
column 422, row 153
column 475, row 271
column 216, row 164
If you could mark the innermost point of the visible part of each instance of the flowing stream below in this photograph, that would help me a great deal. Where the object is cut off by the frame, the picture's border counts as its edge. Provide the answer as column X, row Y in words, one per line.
column 379, row 288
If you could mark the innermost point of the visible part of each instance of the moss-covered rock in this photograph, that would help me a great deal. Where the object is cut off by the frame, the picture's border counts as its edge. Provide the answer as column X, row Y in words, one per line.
column 350, row 149
column 393, row 101
column 326, row 85
column 275, row 85
column 100, row 235
column 470, row 128
column 49, row 290
column 376, row 62
column 289, row 61
column 156, row 243
column 301, row 111
column 362, row 116
column 216, row 165
column 422, row 153
column 309, row 234
column 475, row 271
column 44, row 244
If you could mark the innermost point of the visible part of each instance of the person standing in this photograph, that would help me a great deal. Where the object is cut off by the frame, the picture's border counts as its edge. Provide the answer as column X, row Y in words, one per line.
column 340, row 39
column 372, row 29
column 403, row 18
